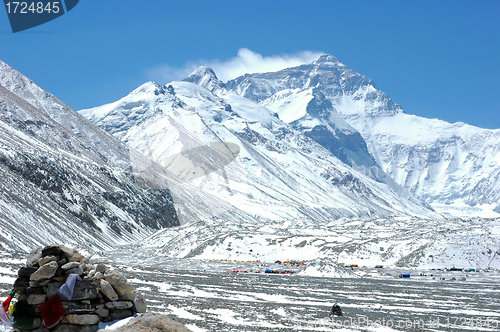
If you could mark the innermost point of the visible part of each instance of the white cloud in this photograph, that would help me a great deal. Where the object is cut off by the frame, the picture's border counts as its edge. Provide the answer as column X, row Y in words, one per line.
column 246, row 62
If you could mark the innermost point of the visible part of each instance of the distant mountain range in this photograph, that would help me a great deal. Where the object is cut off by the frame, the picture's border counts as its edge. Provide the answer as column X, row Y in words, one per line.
column 302, row 154
column 452, row 168
column 325, row 166
column 278, row 169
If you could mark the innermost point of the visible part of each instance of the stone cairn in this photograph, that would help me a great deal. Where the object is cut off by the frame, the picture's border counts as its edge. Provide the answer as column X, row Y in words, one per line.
column 101, row 296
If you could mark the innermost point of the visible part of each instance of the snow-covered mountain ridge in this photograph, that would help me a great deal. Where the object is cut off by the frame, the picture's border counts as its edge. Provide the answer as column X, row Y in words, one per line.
column 285, row 167
column 453, row 167
column 277, row 172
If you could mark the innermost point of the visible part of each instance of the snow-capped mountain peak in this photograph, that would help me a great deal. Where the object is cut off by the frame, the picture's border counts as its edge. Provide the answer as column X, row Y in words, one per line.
column 451, row 166
column 205, row 77
column 327, row 60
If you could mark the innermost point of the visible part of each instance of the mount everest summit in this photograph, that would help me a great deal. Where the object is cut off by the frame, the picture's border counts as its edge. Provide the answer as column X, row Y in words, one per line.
column 452, row 167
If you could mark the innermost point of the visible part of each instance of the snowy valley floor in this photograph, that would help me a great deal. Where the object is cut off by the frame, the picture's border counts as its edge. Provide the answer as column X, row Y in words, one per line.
column 208, row 296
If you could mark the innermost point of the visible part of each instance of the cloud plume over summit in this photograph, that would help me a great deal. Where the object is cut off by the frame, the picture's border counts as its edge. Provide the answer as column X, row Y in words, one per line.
column 245, row 62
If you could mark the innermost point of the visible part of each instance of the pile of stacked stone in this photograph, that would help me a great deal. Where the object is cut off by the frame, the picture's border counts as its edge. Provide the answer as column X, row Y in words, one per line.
column 102, row 295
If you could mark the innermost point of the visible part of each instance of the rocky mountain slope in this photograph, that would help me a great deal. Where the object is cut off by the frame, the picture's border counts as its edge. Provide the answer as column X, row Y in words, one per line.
column 65, row 180
column 453, row 167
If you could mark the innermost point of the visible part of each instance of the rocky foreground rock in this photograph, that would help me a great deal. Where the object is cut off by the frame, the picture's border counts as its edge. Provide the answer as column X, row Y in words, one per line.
column 151, row 322
column 54, row 273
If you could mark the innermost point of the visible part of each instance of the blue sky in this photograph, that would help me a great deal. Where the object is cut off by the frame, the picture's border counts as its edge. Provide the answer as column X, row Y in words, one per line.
column 438, row 59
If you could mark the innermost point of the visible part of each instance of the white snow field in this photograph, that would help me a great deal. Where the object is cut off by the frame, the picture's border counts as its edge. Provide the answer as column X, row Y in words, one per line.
column 208, row 296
